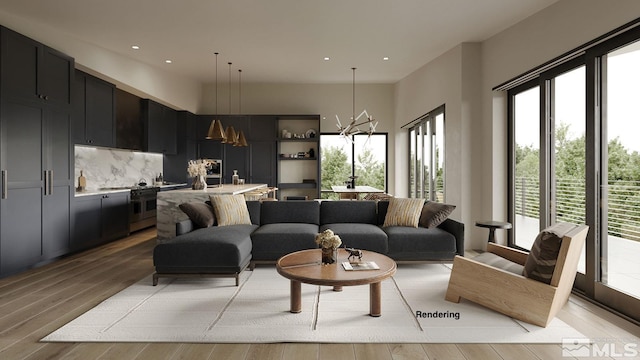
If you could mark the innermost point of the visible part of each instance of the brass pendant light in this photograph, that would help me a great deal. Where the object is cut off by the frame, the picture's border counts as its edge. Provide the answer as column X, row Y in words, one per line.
column 215, row 129
column 242, row 141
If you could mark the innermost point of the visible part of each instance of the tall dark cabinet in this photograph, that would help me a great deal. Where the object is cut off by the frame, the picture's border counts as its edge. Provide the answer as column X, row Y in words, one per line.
column 94, row 111
column 35, row 152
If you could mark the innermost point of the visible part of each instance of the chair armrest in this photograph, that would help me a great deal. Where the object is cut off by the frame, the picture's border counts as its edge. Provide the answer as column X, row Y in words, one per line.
column 511, row 254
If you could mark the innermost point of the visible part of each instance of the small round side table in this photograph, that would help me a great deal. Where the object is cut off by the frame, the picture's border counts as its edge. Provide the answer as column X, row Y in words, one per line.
column 492, row 226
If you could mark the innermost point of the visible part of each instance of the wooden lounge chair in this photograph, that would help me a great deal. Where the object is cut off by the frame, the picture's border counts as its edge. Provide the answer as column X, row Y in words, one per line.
column 502, row 289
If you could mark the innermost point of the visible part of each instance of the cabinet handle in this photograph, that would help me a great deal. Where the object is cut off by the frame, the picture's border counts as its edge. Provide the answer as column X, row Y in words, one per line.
column 5, row 186
column 50, row 182
column 46, row 182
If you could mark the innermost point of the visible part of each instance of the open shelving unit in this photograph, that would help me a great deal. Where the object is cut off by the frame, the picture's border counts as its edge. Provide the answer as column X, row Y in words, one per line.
column 298, row 156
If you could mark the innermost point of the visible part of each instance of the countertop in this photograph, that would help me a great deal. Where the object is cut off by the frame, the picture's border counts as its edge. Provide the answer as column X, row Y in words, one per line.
column 104, row 191
column 224, row 189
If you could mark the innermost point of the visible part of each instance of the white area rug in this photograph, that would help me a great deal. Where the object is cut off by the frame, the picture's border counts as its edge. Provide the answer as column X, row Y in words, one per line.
column 216, row 311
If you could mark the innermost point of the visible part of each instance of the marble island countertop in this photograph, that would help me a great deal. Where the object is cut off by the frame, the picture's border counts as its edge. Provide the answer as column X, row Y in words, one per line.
column 227, row 189
column 168, row 213
column 119, row 189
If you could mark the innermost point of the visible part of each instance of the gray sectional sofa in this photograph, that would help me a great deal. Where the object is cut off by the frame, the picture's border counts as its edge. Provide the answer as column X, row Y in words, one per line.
column 282, row 227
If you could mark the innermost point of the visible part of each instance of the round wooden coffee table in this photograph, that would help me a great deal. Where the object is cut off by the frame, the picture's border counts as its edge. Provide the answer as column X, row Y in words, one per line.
column 305, row 267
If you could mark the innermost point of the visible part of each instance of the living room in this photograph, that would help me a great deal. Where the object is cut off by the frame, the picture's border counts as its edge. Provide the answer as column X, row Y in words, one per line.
column 462, row 77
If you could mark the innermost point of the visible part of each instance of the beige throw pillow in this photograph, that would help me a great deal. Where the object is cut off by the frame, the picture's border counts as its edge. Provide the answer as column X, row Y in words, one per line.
column 200, row 213
column 434, row 213
column 230, row 209
column 403, row 212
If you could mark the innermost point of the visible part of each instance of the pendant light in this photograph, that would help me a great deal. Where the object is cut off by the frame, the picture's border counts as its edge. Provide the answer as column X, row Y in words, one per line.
column 215, row 129
column 242, row 141
column 353, row 128
column 230, row 133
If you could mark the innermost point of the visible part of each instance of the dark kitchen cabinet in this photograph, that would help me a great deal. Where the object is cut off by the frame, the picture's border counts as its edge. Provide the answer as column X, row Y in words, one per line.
column 33, row 71
column 99, row 219
column 160, row 126
column 94, row 111
column 129, row 128
column 35, row 152
column 175, row 166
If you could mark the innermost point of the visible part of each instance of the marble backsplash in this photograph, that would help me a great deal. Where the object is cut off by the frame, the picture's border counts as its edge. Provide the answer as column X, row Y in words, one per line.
column 115, row 168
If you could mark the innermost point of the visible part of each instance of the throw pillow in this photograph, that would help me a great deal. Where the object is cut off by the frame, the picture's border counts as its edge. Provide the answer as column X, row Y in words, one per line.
column 543, row 256
column 230, row 209
column 434, row 213
column 403, row 212
column 200, row 213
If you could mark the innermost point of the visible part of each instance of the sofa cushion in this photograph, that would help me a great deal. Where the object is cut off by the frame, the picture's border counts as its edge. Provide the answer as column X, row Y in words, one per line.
column 230, row 209
column 209, row 249
column 403, row 212
column 200, row 213
column 363, row 212
column 360, row 236
column 274, row 212
column 272, row 241
column 434, row 213
column 408, row 243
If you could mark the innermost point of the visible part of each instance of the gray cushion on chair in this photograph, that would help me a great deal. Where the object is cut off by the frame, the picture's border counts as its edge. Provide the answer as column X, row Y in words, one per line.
column 499, row 262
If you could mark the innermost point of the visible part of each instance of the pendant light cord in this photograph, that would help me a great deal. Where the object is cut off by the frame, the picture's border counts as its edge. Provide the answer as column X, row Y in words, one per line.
column 216, row 84
column 353, row 109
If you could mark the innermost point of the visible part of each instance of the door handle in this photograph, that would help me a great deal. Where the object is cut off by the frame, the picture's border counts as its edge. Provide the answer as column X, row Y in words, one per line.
column 50, row 182
column 46, row 182
column 5, row 185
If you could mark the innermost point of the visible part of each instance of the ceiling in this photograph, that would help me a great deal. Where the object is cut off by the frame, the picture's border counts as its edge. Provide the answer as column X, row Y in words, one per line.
column 283, row 41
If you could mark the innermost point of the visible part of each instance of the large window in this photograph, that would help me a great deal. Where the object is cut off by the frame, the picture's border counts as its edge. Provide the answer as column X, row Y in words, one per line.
column 575, row 158
column 426, row 156
column 362, row 155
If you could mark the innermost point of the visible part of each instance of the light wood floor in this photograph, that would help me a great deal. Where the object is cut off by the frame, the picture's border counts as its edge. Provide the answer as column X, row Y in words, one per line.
column 37, row 302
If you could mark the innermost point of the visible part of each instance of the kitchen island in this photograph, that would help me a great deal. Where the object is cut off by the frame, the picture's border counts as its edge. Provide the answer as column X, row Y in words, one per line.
column 168, row 212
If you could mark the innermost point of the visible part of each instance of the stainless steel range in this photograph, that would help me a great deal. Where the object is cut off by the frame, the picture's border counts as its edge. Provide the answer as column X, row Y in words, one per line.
column 142, row 211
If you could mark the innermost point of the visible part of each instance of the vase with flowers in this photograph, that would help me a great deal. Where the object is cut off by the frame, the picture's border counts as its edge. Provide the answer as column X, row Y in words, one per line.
column 198, row 170
column 329, row 244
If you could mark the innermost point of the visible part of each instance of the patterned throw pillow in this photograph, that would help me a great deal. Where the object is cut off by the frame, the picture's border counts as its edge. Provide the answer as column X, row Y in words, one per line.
column 200, row 213
column 230, row 209
column 434, row 213
column 403, row 212
column 543, row 256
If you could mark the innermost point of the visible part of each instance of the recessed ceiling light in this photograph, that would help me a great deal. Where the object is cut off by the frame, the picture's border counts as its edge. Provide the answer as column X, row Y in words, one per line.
column 168, row 61
column 135, row 47
column 385, row 58
column 326, row 58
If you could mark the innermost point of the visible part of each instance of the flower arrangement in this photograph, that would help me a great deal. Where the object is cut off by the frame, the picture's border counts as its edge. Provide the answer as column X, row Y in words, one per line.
column 197, row 167
column 328, row 240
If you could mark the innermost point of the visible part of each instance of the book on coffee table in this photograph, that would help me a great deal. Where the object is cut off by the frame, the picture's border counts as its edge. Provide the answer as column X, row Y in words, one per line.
column 363, row 265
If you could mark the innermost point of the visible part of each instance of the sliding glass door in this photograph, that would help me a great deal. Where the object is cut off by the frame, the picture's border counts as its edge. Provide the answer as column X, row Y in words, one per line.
column 620, row 210
column 575, row 157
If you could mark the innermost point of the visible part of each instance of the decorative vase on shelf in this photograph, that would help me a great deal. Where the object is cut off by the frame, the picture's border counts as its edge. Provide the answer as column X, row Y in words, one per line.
column 199, row 182
column 235, row 178
column 329, row 255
